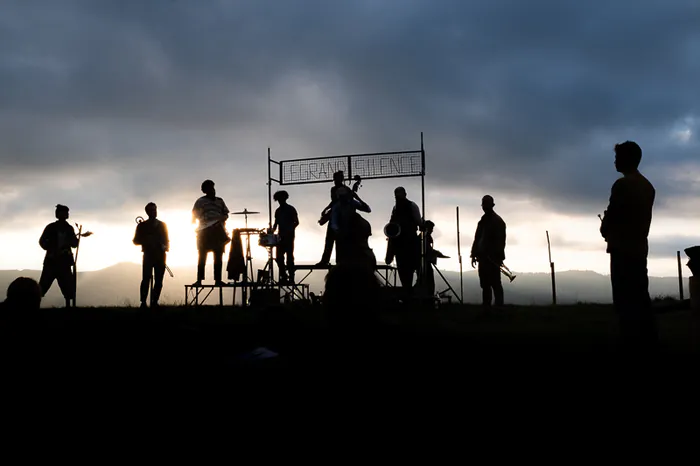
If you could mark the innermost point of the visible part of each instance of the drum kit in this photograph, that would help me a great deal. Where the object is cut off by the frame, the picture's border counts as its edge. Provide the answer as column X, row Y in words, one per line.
column 266, row 240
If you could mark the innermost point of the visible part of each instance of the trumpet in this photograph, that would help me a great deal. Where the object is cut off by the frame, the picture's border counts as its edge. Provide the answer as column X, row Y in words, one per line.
column 504, row 270
column 392, row 230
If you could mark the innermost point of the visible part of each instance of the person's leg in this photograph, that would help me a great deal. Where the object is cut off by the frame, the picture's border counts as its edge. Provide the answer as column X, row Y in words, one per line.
column 497, row 286
column 647, row 330
column 280, row 261
column 66, row 281
column 405, row 268
column 159, row 269
column 201, row 264
column 290, row 257
column 48, row 275
column 328, row 249
column 622, row 282
column 146, row 273
column 485, row 284
column 218, row 263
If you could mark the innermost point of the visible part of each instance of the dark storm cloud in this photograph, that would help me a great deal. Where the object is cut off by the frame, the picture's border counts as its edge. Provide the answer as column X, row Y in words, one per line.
column 519, row 97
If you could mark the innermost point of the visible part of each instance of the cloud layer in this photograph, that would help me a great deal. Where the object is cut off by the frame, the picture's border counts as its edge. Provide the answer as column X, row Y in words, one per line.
column 107, row 104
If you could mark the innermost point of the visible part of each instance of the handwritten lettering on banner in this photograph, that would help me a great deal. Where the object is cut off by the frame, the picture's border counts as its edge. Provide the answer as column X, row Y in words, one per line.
column 367, row 166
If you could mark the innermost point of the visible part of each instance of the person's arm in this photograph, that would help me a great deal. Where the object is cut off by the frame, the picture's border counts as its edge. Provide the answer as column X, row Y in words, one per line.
column 138, row 240
column 166, row 238
column 416, row 215
column 615, row 207
column 361, row 205
column 196, row 212
column 44, row 241
column 477, row 238
column 296, row 218
column 502, row 241
column 73, row 237
column 225, row 211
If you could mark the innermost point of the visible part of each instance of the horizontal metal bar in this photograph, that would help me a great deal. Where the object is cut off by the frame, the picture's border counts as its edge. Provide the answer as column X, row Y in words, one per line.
column 363, row 179
column 404, row 152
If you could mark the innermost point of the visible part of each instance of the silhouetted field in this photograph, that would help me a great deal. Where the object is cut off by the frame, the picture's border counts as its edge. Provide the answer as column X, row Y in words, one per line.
column 222, row 335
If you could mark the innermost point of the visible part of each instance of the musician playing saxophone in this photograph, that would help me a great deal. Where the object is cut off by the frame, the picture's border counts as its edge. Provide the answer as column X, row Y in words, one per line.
column 406, row 247
column 58, row 240
column 488, row 250
column 152, row 236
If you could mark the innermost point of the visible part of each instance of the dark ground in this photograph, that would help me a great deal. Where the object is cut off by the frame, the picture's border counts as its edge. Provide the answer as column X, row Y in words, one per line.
column 214, row 341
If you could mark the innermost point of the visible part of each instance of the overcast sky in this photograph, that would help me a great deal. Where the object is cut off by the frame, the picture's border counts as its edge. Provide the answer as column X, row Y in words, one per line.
column 106, row 105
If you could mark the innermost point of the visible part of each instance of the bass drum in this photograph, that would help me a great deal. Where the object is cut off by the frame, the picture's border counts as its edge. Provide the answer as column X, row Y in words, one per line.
column 269, row 240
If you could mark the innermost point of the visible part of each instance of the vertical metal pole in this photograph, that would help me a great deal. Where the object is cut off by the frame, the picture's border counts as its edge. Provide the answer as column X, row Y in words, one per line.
column 75, row 267
column 459, row 254
column 422, row 188
column 269, row 190
column 270, row 261
column 680, row 274
column 551, row 267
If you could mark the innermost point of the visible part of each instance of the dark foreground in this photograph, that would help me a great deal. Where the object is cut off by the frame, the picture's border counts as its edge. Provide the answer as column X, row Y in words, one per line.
column 222, row 342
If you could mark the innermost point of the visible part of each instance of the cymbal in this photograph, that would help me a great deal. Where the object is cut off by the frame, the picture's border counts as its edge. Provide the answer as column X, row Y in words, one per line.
column 245, row 212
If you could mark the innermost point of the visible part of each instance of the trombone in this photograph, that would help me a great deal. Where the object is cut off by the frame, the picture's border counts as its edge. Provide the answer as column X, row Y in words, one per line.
column 140, row 219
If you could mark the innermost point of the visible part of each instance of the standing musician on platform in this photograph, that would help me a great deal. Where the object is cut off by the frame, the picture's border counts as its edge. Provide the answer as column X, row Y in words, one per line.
column 152, row 236
column 489, row 250
column 338, row 178
column 406, row 246
column 286, row 219
column 57, row 240
column 351, row 230
column 212, row 213
column 625, row 228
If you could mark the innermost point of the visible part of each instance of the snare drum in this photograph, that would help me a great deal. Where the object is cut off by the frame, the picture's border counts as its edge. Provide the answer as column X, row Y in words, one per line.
column 269, row 240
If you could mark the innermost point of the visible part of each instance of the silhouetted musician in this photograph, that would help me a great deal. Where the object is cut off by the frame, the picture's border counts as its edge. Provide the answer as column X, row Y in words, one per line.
column 406, row 246
column 488, row 250
column 625, row 228
column 58, row 240
column 287, row 220
column 152, row 236
column 212, row 213
column 338, row 178
column 351, row 230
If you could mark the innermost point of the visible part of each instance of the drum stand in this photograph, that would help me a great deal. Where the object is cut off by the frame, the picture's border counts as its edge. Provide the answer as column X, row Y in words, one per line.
column 248, row 271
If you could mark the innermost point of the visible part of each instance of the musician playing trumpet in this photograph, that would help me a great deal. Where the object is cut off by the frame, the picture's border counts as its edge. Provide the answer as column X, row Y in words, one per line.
column 152, row 236
column 488, row 250
column 287, row 220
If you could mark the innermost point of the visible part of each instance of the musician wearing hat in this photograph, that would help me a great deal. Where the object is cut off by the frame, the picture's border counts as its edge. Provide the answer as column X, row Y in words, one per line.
column 212, row 213
column 488, row 250
column 152, row 236
column 58, row 240
column 405, row 245
column 286, row 220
